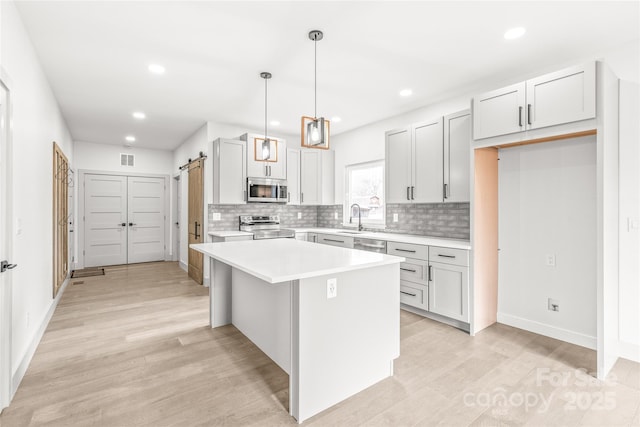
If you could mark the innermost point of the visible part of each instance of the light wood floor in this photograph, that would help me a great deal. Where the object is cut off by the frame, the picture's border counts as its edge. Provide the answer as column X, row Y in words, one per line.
column 134, row 348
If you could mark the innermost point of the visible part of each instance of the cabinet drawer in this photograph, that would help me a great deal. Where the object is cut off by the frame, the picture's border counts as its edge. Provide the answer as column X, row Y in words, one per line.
column 414, row 295
column 414, row 271
column 328, row 239
column 408, row 250
column 449, row 255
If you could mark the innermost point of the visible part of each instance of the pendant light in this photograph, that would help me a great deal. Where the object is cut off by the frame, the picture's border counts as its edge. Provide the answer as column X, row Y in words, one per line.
column 266, row 144
column 314, row 130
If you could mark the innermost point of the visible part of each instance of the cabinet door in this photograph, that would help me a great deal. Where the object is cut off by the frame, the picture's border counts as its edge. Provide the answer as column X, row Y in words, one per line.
column 427, row 162
column 449, row 291
column 565, row 96
column 278, row 170
column 293, row 176
column 255, row 168
column 232, row 172
column 499, row 112
column 310, row 177
column 457, row 151
column 333, row 240
column 398, row 166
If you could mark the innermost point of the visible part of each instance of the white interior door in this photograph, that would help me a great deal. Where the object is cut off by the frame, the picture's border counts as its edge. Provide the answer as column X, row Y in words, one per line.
column 146, row 219
column 105, row 225
column 5, row 277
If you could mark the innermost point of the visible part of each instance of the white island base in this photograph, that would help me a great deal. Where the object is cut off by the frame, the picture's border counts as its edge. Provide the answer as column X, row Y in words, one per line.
column 331, row 348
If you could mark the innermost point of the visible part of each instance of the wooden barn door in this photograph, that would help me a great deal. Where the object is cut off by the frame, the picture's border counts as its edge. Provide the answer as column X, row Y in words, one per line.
column 195, row 215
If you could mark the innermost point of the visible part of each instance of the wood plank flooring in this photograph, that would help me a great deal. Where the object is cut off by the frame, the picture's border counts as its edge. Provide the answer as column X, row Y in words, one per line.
column 133, row 348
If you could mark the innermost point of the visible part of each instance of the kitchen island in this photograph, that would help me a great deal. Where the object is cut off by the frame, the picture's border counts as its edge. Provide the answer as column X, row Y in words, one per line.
column 327, row 316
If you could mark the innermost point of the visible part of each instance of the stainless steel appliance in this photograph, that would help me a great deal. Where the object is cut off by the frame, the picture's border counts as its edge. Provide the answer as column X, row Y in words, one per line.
column 265, row 227
column 266, row 190
column 371, row 245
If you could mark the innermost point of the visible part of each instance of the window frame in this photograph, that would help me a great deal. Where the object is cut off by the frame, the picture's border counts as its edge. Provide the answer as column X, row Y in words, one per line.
column 380, row 224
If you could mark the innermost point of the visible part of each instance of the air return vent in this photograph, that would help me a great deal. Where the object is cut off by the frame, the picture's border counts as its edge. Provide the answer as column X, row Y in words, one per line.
column 126, row 159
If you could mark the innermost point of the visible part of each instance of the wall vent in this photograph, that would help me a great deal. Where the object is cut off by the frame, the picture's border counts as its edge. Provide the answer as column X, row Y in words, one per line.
column 126, row 159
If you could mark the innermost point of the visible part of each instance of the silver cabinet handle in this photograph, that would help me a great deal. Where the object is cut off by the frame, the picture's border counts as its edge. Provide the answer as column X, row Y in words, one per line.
column 407, row 293
column 446, row 191
column 124, row 224
column 332, row 240
column 446, row 256
column 408, row 198
column 529, row 113
column 520, row 116
column 288, row 196
column 244, row 195
column 412, row 188
column 405, row 250
column 407, row 269
column 301, row 197
column 430, row 274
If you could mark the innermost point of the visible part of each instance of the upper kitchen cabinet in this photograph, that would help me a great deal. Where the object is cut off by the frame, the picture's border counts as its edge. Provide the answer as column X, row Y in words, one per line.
column 457, row 151
column 317, row 177
column 293, row 176
column 270, row 161
column 561, row 97
column 229, row 171
column 414, row 163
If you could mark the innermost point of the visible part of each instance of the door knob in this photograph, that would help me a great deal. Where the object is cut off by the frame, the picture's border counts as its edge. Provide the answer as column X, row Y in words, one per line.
column 4, row 266
column 131, row 224
column 124, row 224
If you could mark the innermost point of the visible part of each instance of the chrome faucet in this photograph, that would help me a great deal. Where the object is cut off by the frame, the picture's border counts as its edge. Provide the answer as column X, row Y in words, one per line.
column 359, row 216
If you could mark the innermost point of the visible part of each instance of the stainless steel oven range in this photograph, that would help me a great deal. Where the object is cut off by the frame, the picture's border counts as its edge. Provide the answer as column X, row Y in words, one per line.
column 265, row 227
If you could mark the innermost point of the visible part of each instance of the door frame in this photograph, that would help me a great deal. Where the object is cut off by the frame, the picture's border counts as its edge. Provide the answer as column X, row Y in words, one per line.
column 80, row 218
column 175, row 217
column 6, row 388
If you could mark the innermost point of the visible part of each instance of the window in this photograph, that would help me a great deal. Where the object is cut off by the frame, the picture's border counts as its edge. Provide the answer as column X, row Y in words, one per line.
column 364, row 186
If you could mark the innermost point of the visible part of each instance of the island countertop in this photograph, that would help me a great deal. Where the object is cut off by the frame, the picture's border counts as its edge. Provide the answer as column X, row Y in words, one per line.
column 281, row 260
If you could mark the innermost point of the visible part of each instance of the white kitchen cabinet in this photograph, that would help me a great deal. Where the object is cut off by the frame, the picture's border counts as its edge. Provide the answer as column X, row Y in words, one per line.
column 414, row 295
column 293, row 176
column 317, row 177
column 229, row 171
column 333, row 240
column 414, row 163
column 275, row 167
column 565, row 96
column 457, row 152
column 449, row 290
column 312, row 237
column 301, row 236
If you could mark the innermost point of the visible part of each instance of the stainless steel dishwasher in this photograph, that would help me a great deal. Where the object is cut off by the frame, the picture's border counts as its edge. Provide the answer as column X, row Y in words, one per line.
column 371, row 245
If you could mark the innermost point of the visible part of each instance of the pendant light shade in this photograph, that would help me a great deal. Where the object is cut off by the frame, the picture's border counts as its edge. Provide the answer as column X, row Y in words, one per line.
column 315, row 131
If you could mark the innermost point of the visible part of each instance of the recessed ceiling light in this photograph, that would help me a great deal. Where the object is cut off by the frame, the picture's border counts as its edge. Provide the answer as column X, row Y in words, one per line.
column 274, row 123
column 139, row 115
column 130, row 138
column 336, row 119
column 514, row 33
column 156, row 69
column 406, row 92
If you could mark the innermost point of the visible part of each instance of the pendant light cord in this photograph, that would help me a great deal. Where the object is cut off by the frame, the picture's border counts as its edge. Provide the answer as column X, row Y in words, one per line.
column 315, row 78
column 265, row 109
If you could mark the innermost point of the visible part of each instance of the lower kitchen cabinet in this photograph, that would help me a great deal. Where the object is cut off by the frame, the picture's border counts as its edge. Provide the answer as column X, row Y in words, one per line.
column 414, row 294
column 329, row 239
column 449, row 290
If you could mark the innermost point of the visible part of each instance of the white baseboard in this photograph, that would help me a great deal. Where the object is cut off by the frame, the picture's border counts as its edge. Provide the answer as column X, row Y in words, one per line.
column 548, row 330
column 17, row 377
column 206, row 281
column 629, row 351
column 183, row 265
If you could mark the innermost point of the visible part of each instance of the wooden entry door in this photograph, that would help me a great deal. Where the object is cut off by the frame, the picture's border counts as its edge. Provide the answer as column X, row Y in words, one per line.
column 195, row 215
column 146, row 219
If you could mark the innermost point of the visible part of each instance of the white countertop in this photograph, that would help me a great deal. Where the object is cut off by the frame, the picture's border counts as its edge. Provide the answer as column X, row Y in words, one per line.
column 281, row 260
column 393, row 237
column 229, row 233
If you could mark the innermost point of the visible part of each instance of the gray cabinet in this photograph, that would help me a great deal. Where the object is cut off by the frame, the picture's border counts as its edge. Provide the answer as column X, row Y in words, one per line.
column 229, row 171
column 457, row 153
column 449, row 282
column 293, row 176
column 335, row 240
column 564, row 96
column 317, row 178
column 275, row 166
column 414, row 290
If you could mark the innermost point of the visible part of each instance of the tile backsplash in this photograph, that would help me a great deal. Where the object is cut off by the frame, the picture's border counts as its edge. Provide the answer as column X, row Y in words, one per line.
column 449, row 220
column 288, row 215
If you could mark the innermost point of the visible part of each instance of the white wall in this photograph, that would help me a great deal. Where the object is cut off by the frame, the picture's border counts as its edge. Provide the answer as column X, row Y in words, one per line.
column 629, row 191
column 105, row 157
column 547, row 206
column 37, row 122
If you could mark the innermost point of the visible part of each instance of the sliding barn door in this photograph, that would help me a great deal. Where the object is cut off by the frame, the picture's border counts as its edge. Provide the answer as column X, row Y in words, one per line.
column 61, row 180
column 146, row 219
column 105, row 224
column 196, row 207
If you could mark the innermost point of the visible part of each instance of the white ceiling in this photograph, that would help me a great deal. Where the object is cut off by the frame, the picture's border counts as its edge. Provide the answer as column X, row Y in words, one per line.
column 95, row 55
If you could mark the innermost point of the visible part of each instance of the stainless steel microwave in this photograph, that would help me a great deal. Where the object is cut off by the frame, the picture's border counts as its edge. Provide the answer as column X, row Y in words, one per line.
column 266, row 190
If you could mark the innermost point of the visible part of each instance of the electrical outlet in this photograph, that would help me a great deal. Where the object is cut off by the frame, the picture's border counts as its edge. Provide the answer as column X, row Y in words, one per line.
column 395, row 217
column 551, row 260
column 332, row 288
column 217, row 216
column 335, row 215
column 553, row 305
column 299, row 215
